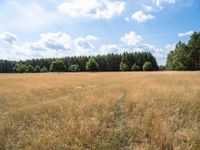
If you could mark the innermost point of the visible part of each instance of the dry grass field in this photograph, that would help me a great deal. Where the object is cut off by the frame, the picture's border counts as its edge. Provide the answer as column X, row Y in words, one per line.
column 106, row 111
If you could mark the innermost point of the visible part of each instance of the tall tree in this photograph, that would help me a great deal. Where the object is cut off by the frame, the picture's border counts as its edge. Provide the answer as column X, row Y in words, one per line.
column 92, row 65
column 57, row 66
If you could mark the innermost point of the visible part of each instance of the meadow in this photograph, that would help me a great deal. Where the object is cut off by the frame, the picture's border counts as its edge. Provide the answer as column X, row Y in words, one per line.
column 106, row 111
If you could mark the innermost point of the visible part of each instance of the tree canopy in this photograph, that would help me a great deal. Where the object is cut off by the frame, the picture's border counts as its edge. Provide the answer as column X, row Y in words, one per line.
column 185, row 56
column 92, row 65
column 109, row 62
column 58, row 66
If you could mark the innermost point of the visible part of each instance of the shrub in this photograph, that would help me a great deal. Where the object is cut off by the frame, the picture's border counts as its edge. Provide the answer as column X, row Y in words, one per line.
column 57, row 66
column 74, row 68
column 21, row 68
column 92, row 65
column 147, row 66
column 44, row 69
column 123, row 67
column 135, row 67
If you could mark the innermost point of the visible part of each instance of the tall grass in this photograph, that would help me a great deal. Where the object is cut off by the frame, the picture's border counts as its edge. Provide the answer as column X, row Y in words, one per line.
column 111, row 111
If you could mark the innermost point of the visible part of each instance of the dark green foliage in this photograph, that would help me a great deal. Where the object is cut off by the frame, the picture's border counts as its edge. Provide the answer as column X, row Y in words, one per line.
column 21, row 68
column 44, row 69
column 74, row 68
column 31, row 69
column 109, row 62
column 162, row 68
column 185, row 56
column 37, row 69
column 92, row 65
column 7, row 66
column 147, row 66
column 123, row 67
column 135, row 67
column 57, row 66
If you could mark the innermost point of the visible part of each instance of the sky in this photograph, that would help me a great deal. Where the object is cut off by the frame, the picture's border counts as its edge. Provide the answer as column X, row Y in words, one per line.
column 59, row 28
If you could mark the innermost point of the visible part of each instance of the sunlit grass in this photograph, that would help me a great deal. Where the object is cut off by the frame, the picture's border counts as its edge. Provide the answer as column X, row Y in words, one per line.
column 158, row 110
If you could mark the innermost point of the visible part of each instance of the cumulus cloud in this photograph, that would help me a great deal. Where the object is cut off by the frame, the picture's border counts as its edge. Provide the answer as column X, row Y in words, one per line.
column 131, row 39
column 147, row 8
column 83, row 45
column 159, row 3
column 55, row 41
column 104, row 9
column 140, row 16
column 58, row 44
column 170, row 46
column 112, row 48
column 10, row 38
column 189, row 33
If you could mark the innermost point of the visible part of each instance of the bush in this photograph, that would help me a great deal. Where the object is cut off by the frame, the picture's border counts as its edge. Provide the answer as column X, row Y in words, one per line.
column 135, row 67
column 147, row 66
column 57, row 66
column 44, row 69
column 92, row 65
column 74, row 68
column 21, row 68
column 123, row 67
column 162, row 68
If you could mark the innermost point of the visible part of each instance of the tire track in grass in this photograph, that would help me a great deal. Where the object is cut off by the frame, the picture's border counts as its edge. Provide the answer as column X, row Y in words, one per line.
column 122, row 134
column 119, row 109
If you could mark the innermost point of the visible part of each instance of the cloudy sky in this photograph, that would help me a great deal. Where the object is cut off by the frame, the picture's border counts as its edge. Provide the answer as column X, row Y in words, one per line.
column 58, row 28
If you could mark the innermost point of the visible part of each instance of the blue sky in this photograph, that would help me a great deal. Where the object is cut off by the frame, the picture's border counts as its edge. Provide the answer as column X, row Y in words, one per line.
column 59, row 28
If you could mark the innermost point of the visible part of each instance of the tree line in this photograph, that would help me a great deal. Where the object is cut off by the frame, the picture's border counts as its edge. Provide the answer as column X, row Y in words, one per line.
column 137, row 61
column 185, row 56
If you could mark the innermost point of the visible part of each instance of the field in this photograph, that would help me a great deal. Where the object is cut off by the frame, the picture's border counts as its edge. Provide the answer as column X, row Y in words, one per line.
column 108, row 111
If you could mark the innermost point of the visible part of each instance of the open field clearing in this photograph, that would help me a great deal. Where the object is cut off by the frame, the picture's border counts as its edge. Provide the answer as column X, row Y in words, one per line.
column 155, row 110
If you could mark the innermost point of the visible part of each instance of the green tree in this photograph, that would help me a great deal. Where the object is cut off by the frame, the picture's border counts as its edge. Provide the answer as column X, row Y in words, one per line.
column 31, row 69
column 123, row 67
column 44, row 69
column 37, row 69
column 21, row 68
column 74, row 68
column 194, row 46
column 162, row 68
column 136, row 67
column 57, row 66
column 92, row 65
column 147, row 66
column 180, row 58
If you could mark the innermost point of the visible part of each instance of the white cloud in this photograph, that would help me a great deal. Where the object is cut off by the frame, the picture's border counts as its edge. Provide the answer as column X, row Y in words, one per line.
column 147, row 8
column 104, row 9
column 83, row 45
column 189, row 33
column 127, row 19
column 55, row 41
column 112, row 48
column 140, row 16
column 170, row 46
column 159, row 3
column 58, row 44
column 131, row 39
column 8, row 37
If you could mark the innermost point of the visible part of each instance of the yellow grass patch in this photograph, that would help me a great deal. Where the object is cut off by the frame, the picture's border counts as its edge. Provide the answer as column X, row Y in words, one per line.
column 155, row 110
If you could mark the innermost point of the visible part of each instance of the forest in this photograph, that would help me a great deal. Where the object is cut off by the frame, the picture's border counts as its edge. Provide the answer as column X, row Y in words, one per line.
column 137, row 61
column 183, row 57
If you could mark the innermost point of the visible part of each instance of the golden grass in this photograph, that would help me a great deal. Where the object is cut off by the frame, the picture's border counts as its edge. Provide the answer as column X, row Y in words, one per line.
column 155, row 110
